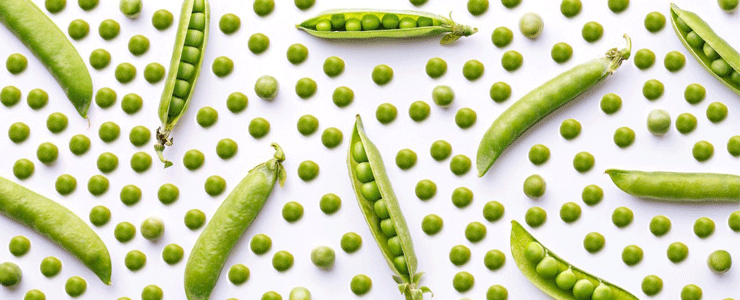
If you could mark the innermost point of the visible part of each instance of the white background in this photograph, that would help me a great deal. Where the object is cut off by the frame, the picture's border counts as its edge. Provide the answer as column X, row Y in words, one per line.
column 407, row 57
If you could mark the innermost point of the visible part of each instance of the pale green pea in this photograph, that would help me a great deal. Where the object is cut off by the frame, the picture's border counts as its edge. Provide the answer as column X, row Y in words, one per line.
column 460, row 164
column 194, row 219
column 674, row 61
column 75, row 286
column 77, row 30
column 534, row 186
column 570, row 212
column 99, row 59
column 583, row 162
column 644, row 59
column 130, row 8
column 237, row 102
column 299, row 293
column 282, row 261
column 152, row 228
column 125, row 73
column 592, row 31
column 500, row 92
column 660, row 225
column 266, row 87
column 222, row 66
column 443, row 95
column 719, row 261
column 65, row 184
column 686, row 123
column 172, row 254
column 130, row 195
column 512, row 60
column 704, row 227
column 632, row 255
column 238, row 274
column 436, row 67
column 135, row 260
column 425, row 189
column 622, row 217
column 702, row 151
column 124, row 232
column 229, row 23
column 47, row 153
column 323, row 257
column 333, row 66
column 531, row 25
column 592, row 194
column 50, row 266
column 23, row 169
column 535, row 217
column 659, row 122
column 462, row 197
column 37, row 99
column 386, row 113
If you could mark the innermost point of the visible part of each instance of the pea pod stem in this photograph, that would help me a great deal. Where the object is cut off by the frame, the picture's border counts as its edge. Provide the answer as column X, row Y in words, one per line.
column 678, row 187
column 52, row 47
column 58, row 224
column 544, row 100
column 227, row 225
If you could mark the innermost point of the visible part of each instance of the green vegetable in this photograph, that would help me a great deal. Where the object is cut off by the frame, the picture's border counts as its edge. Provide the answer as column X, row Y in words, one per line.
column 535, row 217
column 660, row 225
column 195, row 219
column 425, row 189
column 570, row 212
column 162, row 19
column 703, row 227
column 135, row 260
column 659, row 122
column 570, row 8
column 534, row 186
column 654, row 21
column 644, row 59
column 677, row 252
column 405, row 159
column 440, row 150
column 238, row 274
column 16, row 63
column 632, row 255
column 229, row 23
column 652, row 285
column 512, row 60
column 193, row 159
column 502, row 37
column 172, row 254
column 436, row 67
column 386, row 113
column 152, row 228
column 542, row 101
column 323, row 257
column 130, row 8
column 228, row 223
column 719, row 261
column 75, row 286
column 594, row 242
column 592, row 32
column 292, row 211
column 282, row 261
column 531, row 25
column 728, row 6
column 674, row 61
column 99, row 59
column 154, row 72
column 258, row 43
column 702, row 151
column 561, row 52
column 668, row 186
column 462, row 197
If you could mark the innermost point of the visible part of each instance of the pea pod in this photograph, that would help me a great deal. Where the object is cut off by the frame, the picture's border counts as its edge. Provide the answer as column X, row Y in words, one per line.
column 529, row 254
column 232, row 218
column 187, row 58
column 672, row 186
column 382, row 212
column 52, row 47
column 544, row 100
column 58, row 224
column 712, row 52
column 332, row 24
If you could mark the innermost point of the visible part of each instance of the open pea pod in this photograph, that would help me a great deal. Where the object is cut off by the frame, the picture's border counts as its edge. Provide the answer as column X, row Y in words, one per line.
column 340, row 24
column 187, row 58
column 382, row 212
column 521, row 240
column 714, row 53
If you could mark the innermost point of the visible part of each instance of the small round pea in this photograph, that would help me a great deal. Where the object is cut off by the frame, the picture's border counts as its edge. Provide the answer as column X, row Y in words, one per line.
column 237, row 102
column 154, row 72
column 570, row 129
column 686, row 123
column 207, row 116
column 19, row 245
column 99, row 59
column 624, row 137
column 330, row 203
column 19, row 132
column 138, row 45
column 716, row 112
column 77, row 30
column 644, row 59
column 405, row 159
column 34, row 295
column 512, row 60
column 55, row 6
column 592, row 31
column 343, row 96
column 75, row 286
column 728, row 5
column 282, row 261
column 594, row 242
column 172, row 254
column 351, row 242
column 37, row 99
column 297, row 53
column 419, row 111
column 460, row 165
column 534, row 252
column 65, row 184
column 721, row 67
column 710, row 52
column 674, row 61
column 292, row 211
column 632, row 255
column 493, row 211
column 50, row 266
column 694, row 40
column 10, row 96
column 654, row 21
column 307, row 125
column 459, row 255
column 652, row 285
column 694, row 93
column 238, row 274
column 194, row 219
column 386, row 113
column 465, row 118
column 497, row 292
column 304, row 4
column 215, row 185
column 443, row 95
column 610, row 103
column 432, row 224
column 570, row 212
column 719, row 261
column 193, row 159
column 659, row 122
column 462, row 197
column 622, row 217
column 333, row 66
column 109, row 29
column 691, row 292
column 733, row 146
column 135, row 260
column 222, row 66
column 370, row 22
column 152, row 228
column 534, row 186
column 463, row 281
column 323, row 257
column 539, row 154
column 226, row 148
column 139, row 136
column 17, row 63
column 436, row 67
column 502, row 37
column 130, row 195
column 440, row 150
column 130, row 8
column 23, row 168
column 131, row 103
column 477, row 7
column 263, row 7
column 583, row 289
column 660, row 225
column 561, row 52
column 510, row 4
column 124, row 232
column 308, row 170
column 47, row 153
column 125, row 73
column 271, row 295
column 535, row 217
column 531, row 25
column 99, row 215
column 500, row 92
column 475, row 232
column 703, row 227
column 425, row 189
column 473, row 70
column 258, row 43
column 266, row 87
column 618, row 6
column 152, row 292
column 583, row 162
column 229, row 23
column 382, row 74
column 592, row 194
column 162, row 19
column 702, row 151
column 494, row 259
column 168, row 193
column 570, row 8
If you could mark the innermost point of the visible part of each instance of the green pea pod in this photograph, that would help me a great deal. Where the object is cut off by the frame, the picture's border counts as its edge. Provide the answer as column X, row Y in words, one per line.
column 544, row 100
column 722, row 49
column 58, row 224
column 438, row 25
column 52, row 47
column 678, row 187
column 402, row 264
column 227, row 225
column 521, row 239
column 187, row 58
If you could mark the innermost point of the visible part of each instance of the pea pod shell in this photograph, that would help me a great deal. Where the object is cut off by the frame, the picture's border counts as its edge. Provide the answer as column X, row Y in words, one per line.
column 58, row 224
column 520, row 238
column 702, row 29
column 227, row 225
column 52, row 47
column 673, row 186
column 394, row 209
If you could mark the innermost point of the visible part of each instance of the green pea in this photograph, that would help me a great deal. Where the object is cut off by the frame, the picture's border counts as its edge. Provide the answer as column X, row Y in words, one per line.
column 493, row 211
column 432, row 224
column 47, row 153
column 77, row 30
column 716, row 112
column 263, row 7
column 99, row 215
column 440, row 150
column 57, row 122
column 694, row 93
column 75, row 286
column 131, row 103
column 561, row 52
column 299, row 293
column 465, row 118
column 308, row 170
column 733, row 146
column 425, row 189
column 10, row 96
column 497, row 292
column 691, row 292
column 226, row 148
column 502, row 37
column 624, row 137
column 475, row 232
column 124, row 232
column 37, row 99
column 382, row 74
column 500, row 92
column 17, row 63
column 152, row 292
column 459, row 255
column 323, row 257
column 141, row 162
column 652, row 285
column 418, row 2
column 644, row 59
column 34, row 295
column 292, row 211
column 443, row 95
column 462, row 197
column 632, row 255
column 237, row 102
column 138, row 45
column 271, row 295
column 534, row 186
column 583, row 162
column 172, row 254
column 654, row 21
column 370, row 22
column 305, row 88
column 238, row 274
column 622, row 217
column 162, row 19
column 139, row 136
column 194, row 219
column 477, row 7
column 512, row 60
column 618, row 6
column 719, row 261
column 282, row 261
column 592, row 194
column 686, row 123
column 107, row 162
column 539, row 154
column 510, row 4
column 333, row 66
column 266, row 87
column 386, row 113
column 168, row 193
column 23, row 168
column 570, row 212
column 125, row 73
column 463, row 281
column 534, row 252
column 207, row 116
column 674, row 61
column 215, row 185
column 702, row 151
column 258, row 43
column 109, row 29
column 721, row 68
column 494, row 260
column 109, row 132
column 703, row 227
column 50, row 266
column 583, row 289
column 351, row 242
column 566, row 280
column 65, row 184
column 330, row 203
column 135, row 260
column 19, row 132
column 570, row 129
column 436, row 67
column 343, row 96
column 193, row 159
column 660, row 225
column 592, row 31
column 152, row 228
column 728, row 6
column 55, row 6
column 694, row 40
column 154, row 72
column 130, row 195
column 535, row 217
column 370, row 191
column 710, row 52
column 473, row 70
column 460, row 165
column 358, row 152
column 531, row 25
column 594, row 242
column 659, row 122
column 130, row 8
column 304, row 4
column 547, row 268
column 19, row 245
column 222, row 66
column 99, row 59
column 570, row 8
column 229, row 23
column 419, row 111
column 405, row 159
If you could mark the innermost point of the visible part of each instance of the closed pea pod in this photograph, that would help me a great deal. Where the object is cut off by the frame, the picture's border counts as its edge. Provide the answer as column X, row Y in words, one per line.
column 389, row 232
column 187, row 58
column 681, row 187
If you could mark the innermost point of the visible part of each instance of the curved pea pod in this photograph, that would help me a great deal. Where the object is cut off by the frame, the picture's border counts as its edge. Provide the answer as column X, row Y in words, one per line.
column 521, row 239
column 396, row 245
column 227, row 225
column 426, row 24
column 544, row 100
column 58, row 224
column 678, row 187
column 187, row 58
column 52, row 47
column 685, row 22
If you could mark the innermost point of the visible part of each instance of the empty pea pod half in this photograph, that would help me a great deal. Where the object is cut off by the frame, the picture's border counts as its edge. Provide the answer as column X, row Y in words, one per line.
column 187, row 58
column 544, row 100
column 714, row 53
column 678, row 187
column 52, row 47
column 227, row 225
column 58, row 224
column 366, row 24
column 382, row 212
column 555, row 276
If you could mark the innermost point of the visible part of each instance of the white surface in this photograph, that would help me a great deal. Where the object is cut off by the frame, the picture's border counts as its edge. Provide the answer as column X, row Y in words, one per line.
column 503, row 182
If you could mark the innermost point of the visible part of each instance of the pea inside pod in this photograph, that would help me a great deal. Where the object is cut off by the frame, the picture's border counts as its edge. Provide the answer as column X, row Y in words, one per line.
column 382, row 212
column 187, row 58
column 367, row 24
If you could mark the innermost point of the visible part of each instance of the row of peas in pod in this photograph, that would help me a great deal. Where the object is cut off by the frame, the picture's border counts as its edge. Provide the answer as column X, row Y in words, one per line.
column 191, row 56
column 372, row 21
column 718, row 65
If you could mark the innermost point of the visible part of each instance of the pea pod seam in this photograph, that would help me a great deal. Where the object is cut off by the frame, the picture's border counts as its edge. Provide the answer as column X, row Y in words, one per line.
column 678, row 187
column 542, row 101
